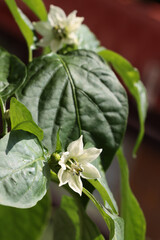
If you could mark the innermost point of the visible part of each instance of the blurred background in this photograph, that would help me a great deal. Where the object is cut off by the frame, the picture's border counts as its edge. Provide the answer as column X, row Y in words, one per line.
column 132, row 29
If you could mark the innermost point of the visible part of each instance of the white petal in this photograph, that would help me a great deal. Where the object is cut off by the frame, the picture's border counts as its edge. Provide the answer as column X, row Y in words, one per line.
column 72, row 15
column 76, row 184
column 75, row 148
column 89, row 155
column 45, row 42
column 43, row 28
column 75, row 24
column 90, row 171
column 63, row 160
column 55, row 45
column 72, row 38
column 55, row 15
column 63, row 176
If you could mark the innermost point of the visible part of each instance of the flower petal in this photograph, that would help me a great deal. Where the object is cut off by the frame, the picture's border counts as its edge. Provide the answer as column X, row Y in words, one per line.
column 55, row 45
column 63, row 176
column 75, row 148
column 45, row 42
column 75, row 24
column 56, row 15
column 89, row 155
column 63, row 160
column 43, row 28
column 76, row 184
column 90, row 171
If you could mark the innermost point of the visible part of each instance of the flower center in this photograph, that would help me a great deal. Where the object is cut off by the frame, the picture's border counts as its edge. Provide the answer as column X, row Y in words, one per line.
column 59, row 33
column 74, row 166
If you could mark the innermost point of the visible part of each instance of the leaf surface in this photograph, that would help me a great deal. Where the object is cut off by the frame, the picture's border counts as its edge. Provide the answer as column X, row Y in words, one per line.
column 12, row 74
column 21, row 22
column 24, row 224
column 75, row 223
column 21, row 119
column 38, row 7
column 131, row 78
column 115, row 223
column 24, row 172
column 80, row 94
column 135, row 224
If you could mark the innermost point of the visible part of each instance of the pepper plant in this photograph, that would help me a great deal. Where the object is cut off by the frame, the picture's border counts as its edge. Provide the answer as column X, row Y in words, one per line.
column 66, row 122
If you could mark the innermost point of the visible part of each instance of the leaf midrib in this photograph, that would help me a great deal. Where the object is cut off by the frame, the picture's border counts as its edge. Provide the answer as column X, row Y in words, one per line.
column 73, row 91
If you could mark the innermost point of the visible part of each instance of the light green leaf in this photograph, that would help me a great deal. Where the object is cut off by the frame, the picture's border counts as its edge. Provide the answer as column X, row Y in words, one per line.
column 131, row 78
column 70, row 222
column 21, row 119
column 24, row 27
column 135, row 225
column 12, row 74
column 38, row 7
column 86, row 39
column 102, row 186
column 24, row 173
column 114, row 223
column 24, row 224
column 80, row 94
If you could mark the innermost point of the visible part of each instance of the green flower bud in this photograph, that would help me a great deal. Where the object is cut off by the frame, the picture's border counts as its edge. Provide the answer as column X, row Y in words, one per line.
column 53, row 161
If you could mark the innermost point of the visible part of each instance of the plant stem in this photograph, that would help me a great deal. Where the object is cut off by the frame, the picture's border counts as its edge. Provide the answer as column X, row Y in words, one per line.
column 30, row 54
column 4, row 123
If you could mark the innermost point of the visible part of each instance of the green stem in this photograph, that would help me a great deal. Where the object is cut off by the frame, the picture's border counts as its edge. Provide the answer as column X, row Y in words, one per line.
column 30, row 57
column 4, row 123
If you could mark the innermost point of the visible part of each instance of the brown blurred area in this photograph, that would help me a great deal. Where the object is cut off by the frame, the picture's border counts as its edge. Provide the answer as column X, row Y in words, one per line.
column 132, row 29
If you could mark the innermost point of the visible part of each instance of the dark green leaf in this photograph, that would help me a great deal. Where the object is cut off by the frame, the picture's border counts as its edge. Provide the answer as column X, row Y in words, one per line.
column 21, row 119
column 25, row 29
column 131, row 78
column 12, row 74
column 38, row 7
column 86, row 39
column 72, row 223
column 135, row 225
column 80, row 94
column 24, row 173
column 24, row 224
column 114, row 223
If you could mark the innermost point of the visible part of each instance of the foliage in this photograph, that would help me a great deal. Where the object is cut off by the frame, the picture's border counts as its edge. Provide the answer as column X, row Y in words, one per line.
column 54, row 100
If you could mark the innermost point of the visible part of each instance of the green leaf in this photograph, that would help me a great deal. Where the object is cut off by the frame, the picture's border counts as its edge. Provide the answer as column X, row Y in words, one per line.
column 72, row 223
column 12, row 74
column 38, row 7
column 115, row 224
column 80, row 94
column 102, row 186
column 24, row 173
column 107, row 196
column 135, row 225
column 21, row 119
column 86, row 39
column 24, row 27
column 131, row 78
column 24, row 224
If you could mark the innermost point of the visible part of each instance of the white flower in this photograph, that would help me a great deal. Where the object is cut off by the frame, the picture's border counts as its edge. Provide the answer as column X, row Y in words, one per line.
column 75, row 163
column 59, row 29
